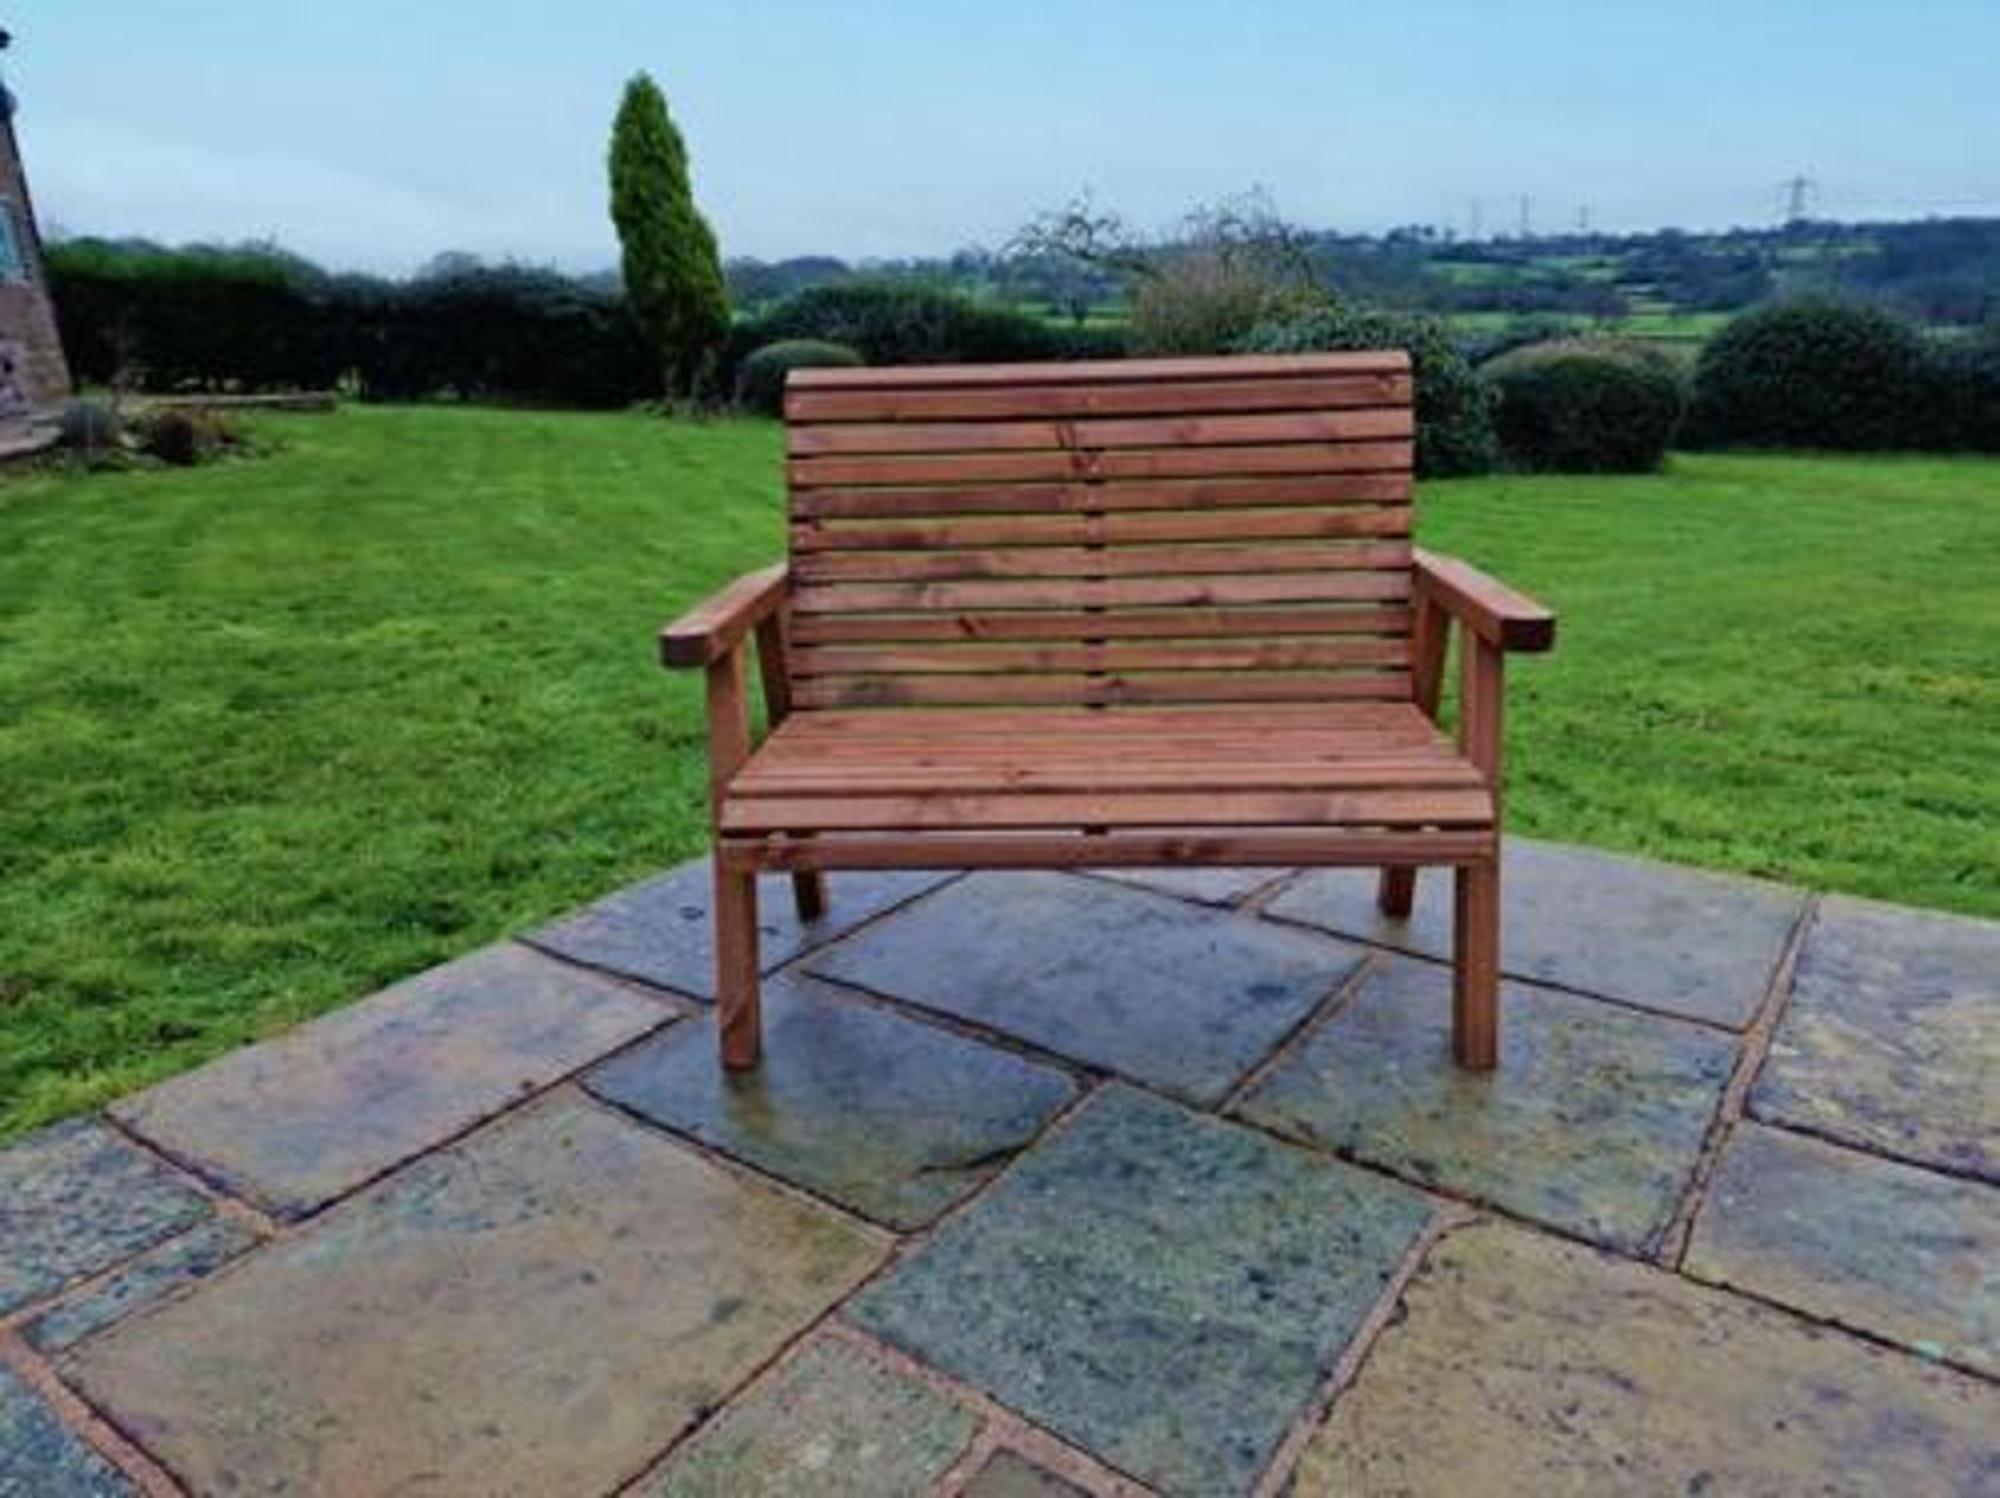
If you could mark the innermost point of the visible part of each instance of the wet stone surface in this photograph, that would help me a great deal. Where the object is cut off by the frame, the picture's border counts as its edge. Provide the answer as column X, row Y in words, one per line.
column 78, row 1198
column 888, row 1116
column 538, row 1309
column 1527, row 1365
column 1592, row 1123
column 662, row 931
column 41, row 1458
column 1682, row 941
column 301, row 1119
column 155, row 1274
column 1890, row 1041
column 1161, row 1289
column 1168, row 993
column 1906, row 1254
column 1209, row 886
column 831, row 1423
column 1008, row 1474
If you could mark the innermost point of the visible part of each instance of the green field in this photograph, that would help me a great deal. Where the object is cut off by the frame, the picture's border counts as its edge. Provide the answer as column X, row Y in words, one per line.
column 278, row 731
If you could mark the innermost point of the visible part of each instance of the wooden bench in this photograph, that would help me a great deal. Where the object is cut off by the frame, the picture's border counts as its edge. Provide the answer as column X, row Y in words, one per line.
column 1158, row 612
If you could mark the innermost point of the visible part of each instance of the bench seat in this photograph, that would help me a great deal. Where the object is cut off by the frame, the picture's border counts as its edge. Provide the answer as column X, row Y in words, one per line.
column 1141, row 612
column 1311, row 772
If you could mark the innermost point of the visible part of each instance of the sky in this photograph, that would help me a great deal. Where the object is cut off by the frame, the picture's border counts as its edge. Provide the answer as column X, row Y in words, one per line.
column 371, row 135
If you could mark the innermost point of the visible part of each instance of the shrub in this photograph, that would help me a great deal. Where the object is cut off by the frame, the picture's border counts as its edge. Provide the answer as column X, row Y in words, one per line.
column 89, row 427
column 896, row 323
column 1454, row 407
column 185, row 436
column 1812, row 373
column 1963, row 393
column 1205, row 302
column 760, row 382
column 1586, row 406
column 256, row 320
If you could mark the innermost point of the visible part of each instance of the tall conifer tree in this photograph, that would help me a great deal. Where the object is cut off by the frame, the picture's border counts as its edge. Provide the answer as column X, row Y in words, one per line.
column 673, row 273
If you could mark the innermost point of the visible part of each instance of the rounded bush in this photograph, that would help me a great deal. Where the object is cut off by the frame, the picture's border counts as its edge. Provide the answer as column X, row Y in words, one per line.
column 1454, row 406
column 889, row 322
column 1812, row 374
column 1586, row 406
column 89, row 426
column 760, row 382
column 184, row 436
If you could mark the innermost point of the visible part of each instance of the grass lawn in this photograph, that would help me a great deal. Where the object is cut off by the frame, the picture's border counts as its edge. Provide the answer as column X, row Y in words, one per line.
column 276, row 732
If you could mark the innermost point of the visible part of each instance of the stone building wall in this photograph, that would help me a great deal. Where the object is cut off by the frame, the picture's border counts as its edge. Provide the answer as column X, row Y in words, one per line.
column 33, row 374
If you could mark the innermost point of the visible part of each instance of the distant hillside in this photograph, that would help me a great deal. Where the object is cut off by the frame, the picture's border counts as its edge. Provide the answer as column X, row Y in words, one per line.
column 1671, row 284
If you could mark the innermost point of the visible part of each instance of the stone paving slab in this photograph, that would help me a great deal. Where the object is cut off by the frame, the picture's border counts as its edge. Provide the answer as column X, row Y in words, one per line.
column 40, row 1457
column 662, row 931
column 1682, row 941
column 155, row 1274
column 296, row 1121
column 1890, row 1041
column 890, row 1117
column 1008, row 1474
column 831, row 1423
column 1593, row 1122
column 1162, row 1289
column 538, row 1309
column 1184, row 998
column 1210, row 886
column 1909, row 1255
column 78, row 1198
column 1528, row 1365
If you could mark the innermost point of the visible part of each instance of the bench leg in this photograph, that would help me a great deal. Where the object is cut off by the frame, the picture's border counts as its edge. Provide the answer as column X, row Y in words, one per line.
column 1475, row 974
column 736, row 1007
column 809, row 895
column 1397, row 893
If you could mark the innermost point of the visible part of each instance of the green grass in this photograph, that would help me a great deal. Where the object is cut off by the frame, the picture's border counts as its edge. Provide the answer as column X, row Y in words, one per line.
column 275, row 732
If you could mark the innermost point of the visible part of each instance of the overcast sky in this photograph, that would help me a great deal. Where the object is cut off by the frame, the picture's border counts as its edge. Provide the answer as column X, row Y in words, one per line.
column 373, row 135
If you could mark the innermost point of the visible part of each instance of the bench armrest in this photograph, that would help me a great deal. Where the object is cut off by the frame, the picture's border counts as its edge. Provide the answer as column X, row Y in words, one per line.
column 1489, row 609
column 714, row 627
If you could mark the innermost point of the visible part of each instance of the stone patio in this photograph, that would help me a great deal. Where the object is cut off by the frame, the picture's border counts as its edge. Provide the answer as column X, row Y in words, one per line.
column 1055, row 1184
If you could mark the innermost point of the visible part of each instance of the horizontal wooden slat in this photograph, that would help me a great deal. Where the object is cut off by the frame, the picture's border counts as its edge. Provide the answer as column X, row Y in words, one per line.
column 1177, row 686
column 1122, row 624
column 1105, row 433
column 1102, row 371
column 1123, row 463
column 1063, row 498
column 1292, row 729
column 1085, row 593
column 1260, row 655
column 1177, row 397
column 1082, row 779
column 1099, row 530
column 1391, row 808
column 977, row 538
column 1175, row 847
column 1089, row 562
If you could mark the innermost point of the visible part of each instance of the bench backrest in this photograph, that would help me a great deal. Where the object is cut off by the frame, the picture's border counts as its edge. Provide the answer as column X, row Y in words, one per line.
column 1138, row 532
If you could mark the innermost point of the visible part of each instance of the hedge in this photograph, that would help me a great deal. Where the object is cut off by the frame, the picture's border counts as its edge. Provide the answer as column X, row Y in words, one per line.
column 257, row 320
column 168, row 320
column 1579, row 405
column 899, row 323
